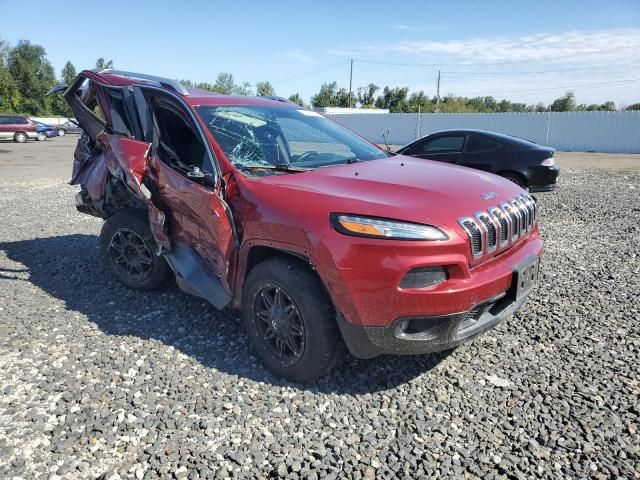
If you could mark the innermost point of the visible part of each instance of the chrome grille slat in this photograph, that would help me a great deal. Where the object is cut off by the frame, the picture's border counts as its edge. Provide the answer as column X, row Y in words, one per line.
column 500, row 226
column 484, row 220
column 502, row 221
column 475, row 234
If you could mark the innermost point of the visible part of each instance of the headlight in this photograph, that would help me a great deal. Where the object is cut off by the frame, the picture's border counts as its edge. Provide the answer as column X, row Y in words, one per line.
column 381, row 228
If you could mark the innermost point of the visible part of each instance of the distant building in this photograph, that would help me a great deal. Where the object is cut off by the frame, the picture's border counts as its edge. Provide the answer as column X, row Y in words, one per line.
column 343, row 111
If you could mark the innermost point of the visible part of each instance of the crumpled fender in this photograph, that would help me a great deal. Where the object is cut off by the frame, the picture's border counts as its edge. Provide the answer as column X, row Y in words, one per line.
column 126, row 159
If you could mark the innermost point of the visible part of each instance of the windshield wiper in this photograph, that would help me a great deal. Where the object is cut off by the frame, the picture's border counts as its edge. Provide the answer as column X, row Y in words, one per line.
column 280, row 167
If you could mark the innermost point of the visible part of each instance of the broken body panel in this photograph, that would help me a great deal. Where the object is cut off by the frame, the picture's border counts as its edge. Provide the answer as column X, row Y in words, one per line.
column 188, row 221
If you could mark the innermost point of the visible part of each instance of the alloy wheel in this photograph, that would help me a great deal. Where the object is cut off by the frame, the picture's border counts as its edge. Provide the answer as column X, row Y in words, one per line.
column 279, row 323
column 131, row 254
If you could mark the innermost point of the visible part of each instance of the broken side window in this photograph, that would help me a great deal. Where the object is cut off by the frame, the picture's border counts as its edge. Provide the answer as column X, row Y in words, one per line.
column 178, row 144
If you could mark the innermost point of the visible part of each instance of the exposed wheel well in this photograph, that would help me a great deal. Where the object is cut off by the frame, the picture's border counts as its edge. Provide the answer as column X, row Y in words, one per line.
column 260, row 253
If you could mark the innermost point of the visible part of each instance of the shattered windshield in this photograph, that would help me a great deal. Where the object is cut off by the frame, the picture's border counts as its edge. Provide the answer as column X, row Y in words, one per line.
column 270, row 137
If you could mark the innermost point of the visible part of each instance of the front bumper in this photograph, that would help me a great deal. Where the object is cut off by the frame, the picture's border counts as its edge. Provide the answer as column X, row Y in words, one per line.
column 418, row 335
column 377, row 316
column 543, row 179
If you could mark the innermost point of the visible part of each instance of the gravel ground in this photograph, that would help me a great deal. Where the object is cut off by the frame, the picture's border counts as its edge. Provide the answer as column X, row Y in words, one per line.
column 99, row 381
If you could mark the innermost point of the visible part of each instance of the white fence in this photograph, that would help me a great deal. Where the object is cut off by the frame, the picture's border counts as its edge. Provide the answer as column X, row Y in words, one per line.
column 612, row 132
column 50, row 120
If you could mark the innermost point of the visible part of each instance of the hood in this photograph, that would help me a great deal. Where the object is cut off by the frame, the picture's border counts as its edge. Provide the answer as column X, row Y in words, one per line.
column 403, row 188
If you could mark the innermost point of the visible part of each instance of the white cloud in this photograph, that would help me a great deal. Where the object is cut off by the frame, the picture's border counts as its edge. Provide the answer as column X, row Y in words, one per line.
column 341, row 52
column 402, row 26
column 297, row 55
column 576, row 46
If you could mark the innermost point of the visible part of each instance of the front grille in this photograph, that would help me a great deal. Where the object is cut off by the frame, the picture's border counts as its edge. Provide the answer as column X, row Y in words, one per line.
column 503, row 225
column 475, row 235
column 500, row 226
column 490, row 230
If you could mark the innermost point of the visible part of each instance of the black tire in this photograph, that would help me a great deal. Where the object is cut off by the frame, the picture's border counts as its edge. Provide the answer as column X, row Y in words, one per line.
column 128, row 251
column 515, row 178
column 322, row 345
column 20, row 137
column 62, row 132
column 41, row 137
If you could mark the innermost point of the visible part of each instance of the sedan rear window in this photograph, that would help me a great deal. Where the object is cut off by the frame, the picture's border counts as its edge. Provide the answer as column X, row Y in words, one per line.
column 480, row 143
column 444, row 144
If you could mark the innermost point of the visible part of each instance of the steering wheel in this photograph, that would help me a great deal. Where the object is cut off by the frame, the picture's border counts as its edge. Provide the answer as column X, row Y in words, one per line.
column 305, row 155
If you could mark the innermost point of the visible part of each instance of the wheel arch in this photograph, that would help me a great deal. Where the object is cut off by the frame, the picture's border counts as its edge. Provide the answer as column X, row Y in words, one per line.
column 254, row 253
column 515, row 173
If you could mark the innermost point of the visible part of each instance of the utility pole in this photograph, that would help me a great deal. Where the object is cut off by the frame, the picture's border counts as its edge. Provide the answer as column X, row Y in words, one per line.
column 438, row 94
column 350, row 80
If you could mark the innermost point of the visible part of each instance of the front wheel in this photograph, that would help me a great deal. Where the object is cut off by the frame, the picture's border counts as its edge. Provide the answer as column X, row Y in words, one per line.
column 41, row 137
column 128, row 251
column 290, row 320
column 62, row 132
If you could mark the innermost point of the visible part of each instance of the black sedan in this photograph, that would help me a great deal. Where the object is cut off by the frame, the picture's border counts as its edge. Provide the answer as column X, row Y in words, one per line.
column 526, row 163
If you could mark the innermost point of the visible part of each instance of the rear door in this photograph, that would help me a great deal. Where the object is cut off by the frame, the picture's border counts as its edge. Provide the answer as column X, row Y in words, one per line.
column 100, row 107
column 5, row 127
column 442, row 147
column 481, row 152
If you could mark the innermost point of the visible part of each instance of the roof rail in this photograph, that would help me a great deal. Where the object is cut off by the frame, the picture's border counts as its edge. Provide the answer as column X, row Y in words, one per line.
column 174, row 85
column 278, row 99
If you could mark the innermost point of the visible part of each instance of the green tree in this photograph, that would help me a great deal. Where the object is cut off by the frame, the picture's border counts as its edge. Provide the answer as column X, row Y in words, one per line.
column 366, row 95
column 419, row 102
column 244, row 89
column 225, row 84
column 34, row 76
column 395, row 99
column 635, row 106
column 326, row 97
column 59, row 105
column 566, row 103
column 9, row 93
column 68, row 73
column 265, row 89
column 102, row 64
column 297, row 99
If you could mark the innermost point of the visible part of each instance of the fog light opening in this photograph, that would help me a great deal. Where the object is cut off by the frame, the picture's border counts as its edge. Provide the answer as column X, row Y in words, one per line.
column 423, row 277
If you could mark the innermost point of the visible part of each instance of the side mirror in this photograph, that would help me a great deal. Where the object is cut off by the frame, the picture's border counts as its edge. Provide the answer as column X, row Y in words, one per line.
column 195, row 173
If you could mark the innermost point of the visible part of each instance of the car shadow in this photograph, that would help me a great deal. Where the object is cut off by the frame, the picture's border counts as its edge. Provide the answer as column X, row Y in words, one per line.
column 69, row 268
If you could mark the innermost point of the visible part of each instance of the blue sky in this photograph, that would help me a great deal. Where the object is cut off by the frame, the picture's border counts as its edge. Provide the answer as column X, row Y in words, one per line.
column 529, row 51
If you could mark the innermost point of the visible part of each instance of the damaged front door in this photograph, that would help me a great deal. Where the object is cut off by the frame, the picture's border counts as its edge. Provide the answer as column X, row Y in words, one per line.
column 182, row 172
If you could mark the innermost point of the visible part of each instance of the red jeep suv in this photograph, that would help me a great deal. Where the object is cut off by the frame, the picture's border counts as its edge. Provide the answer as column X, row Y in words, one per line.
column 320, row 238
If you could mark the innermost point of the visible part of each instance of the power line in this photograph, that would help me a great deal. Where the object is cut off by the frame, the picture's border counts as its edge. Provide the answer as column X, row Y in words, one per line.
column 594, row 67
column 313, row 72
column 569, row 87
column 404, row 64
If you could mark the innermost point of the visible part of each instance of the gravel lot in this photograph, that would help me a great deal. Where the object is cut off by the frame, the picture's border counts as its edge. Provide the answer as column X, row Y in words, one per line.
column 98, row 381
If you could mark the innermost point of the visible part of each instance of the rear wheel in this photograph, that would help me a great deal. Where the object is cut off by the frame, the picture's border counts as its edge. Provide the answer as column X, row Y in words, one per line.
column 515, row 178
column 62, row 132
column 128, row 251
column 20, row 137
column 290, row 320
